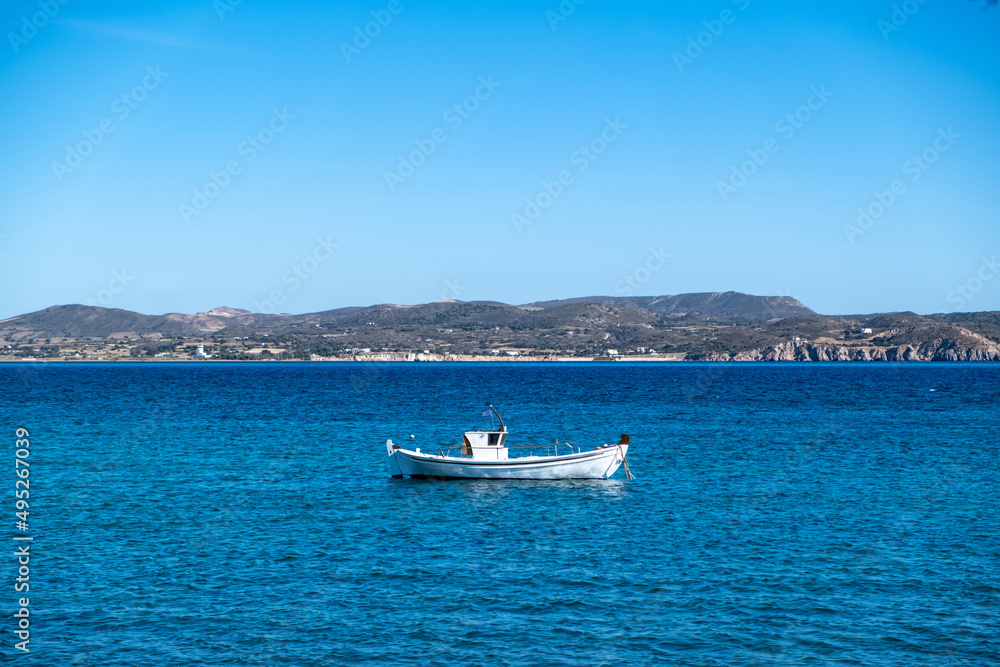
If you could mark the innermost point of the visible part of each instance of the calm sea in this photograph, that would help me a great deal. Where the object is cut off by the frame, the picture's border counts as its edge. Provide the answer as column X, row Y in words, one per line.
column 243, row 514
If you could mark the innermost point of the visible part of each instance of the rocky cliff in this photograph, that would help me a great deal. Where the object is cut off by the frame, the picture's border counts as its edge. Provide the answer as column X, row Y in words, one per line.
column 937, row 350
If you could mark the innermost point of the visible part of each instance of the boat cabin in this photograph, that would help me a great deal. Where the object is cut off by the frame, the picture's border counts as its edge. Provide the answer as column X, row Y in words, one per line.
column 485, row 445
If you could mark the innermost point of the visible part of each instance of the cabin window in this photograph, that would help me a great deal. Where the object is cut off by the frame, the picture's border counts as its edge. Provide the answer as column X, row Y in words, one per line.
column 494, row 439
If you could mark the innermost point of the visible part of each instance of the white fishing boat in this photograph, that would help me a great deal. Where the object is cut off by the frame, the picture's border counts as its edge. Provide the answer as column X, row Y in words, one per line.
column 486, row 455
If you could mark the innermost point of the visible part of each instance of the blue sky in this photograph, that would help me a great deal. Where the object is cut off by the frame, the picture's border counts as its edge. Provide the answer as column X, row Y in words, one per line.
column 354, row 180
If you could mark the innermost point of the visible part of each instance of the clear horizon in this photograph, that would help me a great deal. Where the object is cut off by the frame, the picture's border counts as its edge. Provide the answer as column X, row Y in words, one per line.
column 301, row 157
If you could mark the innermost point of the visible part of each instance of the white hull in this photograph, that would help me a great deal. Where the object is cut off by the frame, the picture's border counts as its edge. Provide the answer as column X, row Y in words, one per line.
column 598, row 464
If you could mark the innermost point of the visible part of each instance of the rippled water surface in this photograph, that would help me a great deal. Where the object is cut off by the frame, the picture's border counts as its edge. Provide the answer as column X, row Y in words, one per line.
column 243, row 514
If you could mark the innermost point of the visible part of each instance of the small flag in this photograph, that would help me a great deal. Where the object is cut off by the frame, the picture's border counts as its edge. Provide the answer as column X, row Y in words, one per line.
column 486, row 413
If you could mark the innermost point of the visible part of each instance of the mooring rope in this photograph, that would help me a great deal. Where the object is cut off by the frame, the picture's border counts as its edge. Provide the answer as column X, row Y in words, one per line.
column 628, row 473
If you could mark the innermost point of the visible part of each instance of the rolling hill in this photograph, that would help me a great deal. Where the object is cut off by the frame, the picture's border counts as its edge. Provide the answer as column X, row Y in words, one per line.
column 709, row 326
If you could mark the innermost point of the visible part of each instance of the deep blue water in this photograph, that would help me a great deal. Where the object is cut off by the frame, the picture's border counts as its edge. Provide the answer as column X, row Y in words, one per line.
column 243, row 514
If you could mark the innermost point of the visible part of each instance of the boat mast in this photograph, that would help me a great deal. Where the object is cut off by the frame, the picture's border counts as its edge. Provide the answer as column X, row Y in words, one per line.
column 502, row 427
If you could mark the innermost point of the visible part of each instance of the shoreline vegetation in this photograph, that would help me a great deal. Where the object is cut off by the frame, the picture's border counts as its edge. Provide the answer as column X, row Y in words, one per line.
column 726, row 326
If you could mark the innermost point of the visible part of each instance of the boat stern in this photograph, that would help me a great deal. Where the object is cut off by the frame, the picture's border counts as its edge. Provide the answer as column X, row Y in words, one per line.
column 621, row 451
column 394, row 468
column 623, row 445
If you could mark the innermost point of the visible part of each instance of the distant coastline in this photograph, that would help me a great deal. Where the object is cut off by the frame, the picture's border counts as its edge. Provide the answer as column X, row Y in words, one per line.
column 710, row 326
column 385, row 359
column 472, row 360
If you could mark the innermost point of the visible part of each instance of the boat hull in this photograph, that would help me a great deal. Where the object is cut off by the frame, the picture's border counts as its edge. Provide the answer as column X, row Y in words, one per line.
column 598, row 464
